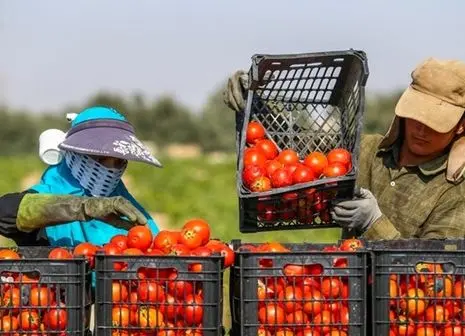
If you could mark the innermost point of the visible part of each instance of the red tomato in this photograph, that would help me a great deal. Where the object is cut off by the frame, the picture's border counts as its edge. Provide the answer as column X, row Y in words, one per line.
column 226, row 252
column 8, row 254
column 200, row 252
column 154, row 252
column 334, row 170
column 331, row 287
column 253, row 156
column 297, row 317
column 193, row 309
column 261, row 184
column 313, row 301
column 60, row 253
column 251, row 173
column 120, row 316
column 120, row 240
column 119, row 292
column 29, row 320
column 170, row 309
column 165, row 239
column 271, row 313
column 255, row 131
column 339, row 155
column 180, row 289
column 281, row 178
column 302, row 174
column 288, row 157
column 180, row 250
column 268, row 148
column 41, row 296
column 112, row 249
column 290, row 168
column 149, row 291
column 352, row 244
column 265, row 212
column 308, row 331
column 148, row 317
column 291, row 296
column 190, row 238
column 317, row 162
column 272, row 247
column 140, row 237
column 201, row 227
column 87, row 250
column 271, row 166
column 8, row 323
column 454, row 330
column 132, row 251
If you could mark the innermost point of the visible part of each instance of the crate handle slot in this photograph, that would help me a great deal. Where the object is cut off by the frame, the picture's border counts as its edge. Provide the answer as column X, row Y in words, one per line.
column 23, row 277
column 435, row 267
column 300, row 270
column 163, row 273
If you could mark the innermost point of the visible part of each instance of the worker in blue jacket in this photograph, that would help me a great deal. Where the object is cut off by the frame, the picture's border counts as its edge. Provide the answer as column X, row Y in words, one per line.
column 82, row 198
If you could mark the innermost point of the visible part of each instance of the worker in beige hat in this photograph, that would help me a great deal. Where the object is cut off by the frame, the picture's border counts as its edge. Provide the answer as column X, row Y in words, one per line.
column 411, row 179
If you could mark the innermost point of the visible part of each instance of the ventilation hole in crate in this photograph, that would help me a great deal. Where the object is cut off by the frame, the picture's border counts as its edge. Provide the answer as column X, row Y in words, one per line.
column 297, row 65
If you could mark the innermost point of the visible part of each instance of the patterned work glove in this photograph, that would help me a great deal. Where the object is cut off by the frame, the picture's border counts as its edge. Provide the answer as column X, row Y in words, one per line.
column 40, row 210
column 358, row 213
column 235, row 94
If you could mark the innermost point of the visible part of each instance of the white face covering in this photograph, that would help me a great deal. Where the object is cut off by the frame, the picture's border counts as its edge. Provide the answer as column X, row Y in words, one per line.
column 93, row 176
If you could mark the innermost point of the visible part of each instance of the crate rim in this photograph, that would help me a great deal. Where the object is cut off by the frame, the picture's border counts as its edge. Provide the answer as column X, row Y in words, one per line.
column 360, row 54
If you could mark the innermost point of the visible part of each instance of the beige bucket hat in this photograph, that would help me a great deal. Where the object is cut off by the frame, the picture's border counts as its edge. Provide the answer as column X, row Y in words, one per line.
column 436, row 98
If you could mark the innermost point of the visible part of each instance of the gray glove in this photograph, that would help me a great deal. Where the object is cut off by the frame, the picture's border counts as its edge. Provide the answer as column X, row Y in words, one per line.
column 358, row 213
column 37, row 211
column 235, row 94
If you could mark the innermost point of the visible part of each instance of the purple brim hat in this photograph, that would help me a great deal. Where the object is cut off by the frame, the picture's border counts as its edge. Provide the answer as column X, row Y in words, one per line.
column 109, row 137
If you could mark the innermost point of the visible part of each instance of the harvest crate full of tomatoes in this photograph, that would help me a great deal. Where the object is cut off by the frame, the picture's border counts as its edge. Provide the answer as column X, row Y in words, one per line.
column 298, row 139
column 299, row 289
column 168, row 284
column 419, row 287
column 44, row 291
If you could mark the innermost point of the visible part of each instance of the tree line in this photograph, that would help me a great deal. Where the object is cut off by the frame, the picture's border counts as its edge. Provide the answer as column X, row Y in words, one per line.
column 162, row 121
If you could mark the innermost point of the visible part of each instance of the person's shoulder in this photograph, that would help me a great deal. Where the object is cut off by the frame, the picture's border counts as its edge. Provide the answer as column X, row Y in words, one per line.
column 369, row 143
column 371, row 139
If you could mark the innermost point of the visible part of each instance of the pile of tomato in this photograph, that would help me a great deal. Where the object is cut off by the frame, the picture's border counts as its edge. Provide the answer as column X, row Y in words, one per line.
column 265, row 167
column 155, row 297
column 427, row 303
column 28, row 305
column 303, row 301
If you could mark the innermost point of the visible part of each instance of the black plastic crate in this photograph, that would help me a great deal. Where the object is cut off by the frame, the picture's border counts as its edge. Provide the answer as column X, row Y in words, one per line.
column 306, row 102
column 329, row 281
column 418, row 284
column 164, row 295
column 42, row 295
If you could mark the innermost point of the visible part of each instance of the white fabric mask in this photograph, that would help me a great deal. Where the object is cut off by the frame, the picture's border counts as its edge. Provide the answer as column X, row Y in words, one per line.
column 93, row 176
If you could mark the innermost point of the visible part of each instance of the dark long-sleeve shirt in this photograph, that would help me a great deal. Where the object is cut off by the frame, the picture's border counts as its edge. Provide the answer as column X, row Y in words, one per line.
column 9, row 206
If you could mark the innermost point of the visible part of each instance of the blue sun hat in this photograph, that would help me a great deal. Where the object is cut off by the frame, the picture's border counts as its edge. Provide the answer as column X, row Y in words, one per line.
column 102, row 131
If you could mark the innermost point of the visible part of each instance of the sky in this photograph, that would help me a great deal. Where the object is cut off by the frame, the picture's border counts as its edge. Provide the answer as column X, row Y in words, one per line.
column 55, row 53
